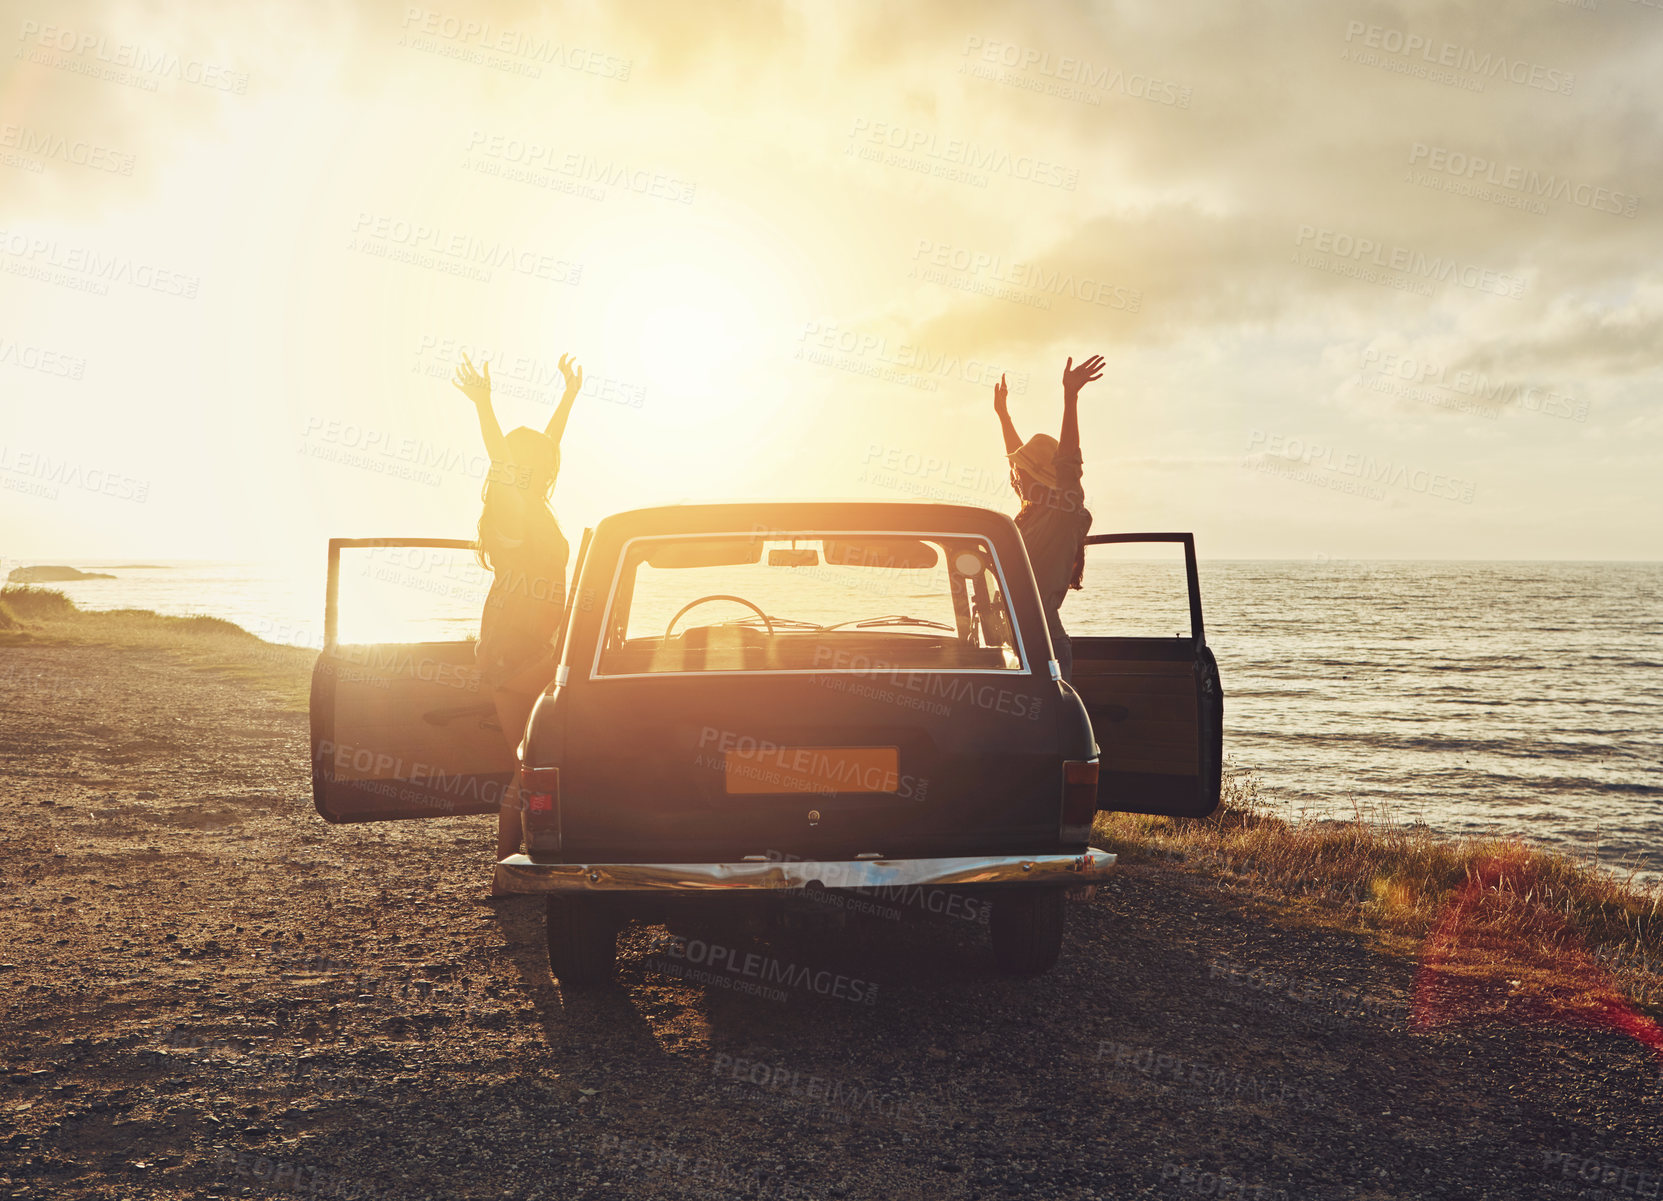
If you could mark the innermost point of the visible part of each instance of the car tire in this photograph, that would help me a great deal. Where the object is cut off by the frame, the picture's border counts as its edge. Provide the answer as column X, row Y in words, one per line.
column 1026, row 928
column 583, row 942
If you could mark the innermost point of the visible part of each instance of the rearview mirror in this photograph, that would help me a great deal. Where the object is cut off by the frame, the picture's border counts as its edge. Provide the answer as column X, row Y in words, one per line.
column 805, row 556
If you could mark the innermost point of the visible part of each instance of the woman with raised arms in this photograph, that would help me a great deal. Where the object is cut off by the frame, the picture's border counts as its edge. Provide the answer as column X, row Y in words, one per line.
column 520, row 543
column 1045, row 472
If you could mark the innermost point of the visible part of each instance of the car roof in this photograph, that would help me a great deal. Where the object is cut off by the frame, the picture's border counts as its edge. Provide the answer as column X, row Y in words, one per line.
column 762, row 516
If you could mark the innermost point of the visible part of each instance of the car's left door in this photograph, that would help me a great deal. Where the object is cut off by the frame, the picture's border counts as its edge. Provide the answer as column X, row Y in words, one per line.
column 404, row 729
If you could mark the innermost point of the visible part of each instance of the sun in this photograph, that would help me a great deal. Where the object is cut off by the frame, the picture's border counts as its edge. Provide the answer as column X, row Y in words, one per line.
column 695, row 309
column 696, row 314
column 697, row 332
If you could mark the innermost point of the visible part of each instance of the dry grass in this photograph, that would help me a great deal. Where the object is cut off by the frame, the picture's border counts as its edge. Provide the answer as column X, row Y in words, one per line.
column 27, row 603
column 1521, row 912
column 207, row 644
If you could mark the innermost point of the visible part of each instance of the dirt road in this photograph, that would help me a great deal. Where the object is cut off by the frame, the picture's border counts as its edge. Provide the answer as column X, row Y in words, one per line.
column 209, row 992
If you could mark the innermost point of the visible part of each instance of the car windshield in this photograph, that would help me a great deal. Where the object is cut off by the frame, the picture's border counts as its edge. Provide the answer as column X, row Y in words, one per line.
column 815, row 602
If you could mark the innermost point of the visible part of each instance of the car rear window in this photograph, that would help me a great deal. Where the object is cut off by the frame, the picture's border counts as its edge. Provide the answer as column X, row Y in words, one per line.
column 810, row 602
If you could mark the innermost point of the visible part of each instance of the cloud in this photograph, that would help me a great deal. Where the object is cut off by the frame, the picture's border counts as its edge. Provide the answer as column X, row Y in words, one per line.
column 1578, row 339
column 1181, row 269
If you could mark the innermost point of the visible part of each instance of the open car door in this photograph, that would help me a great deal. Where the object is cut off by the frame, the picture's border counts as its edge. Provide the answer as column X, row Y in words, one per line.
column 1153, row 697
column 405, row 729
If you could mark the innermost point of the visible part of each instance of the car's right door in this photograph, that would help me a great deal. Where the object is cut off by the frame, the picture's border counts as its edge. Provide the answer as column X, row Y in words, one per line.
column 1154, row 698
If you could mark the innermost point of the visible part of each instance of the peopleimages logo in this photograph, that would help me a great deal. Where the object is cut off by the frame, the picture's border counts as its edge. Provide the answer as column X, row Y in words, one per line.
column 387, row 452
column 472, row 39
column 36, row 473
column 904, row 357
column 1406, row 261
column 1476, row 384
column 537, row 158
column 1031, row 276
column 829, row 1093
column 842, row 873
column 755, row 764
column 44, row 257
column 383, row 774
column 79, row 151
column 765, row 969
column 1475, row 168
column 1457, row 57
column 521, row 376
column 962, row 153
column 977, row 481
column 40, row 358
column 457, row 253
column 1361, row 467
column 1214, row 1081
column 147, row 64
column 1069, row 77
column 927, row 685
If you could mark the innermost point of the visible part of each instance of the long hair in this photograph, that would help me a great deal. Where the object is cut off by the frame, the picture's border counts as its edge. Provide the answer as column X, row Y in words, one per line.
column 526, row 475
column 1036, row 497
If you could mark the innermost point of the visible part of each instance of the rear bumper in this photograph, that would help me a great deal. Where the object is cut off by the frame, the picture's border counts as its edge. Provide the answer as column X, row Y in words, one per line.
column 520, row 873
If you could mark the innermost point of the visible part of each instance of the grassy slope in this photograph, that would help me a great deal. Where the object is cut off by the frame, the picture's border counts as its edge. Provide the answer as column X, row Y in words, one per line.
column 208, row 644
column 1555, row 930
column 1552, row 927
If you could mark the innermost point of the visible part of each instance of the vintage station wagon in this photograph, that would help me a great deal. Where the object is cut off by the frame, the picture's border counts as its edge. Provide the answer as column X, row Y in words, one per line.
column 758, row 700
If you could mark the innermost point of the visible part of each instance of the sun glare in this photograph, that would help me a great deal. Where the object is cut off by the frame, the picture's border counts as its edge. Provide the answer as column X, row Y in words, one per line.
column 696, row 332
column 695, row 308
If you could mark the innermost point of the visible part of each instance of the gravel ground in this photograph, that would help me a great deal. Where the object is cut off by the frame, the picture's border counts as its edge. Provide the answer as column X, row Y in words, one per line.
column 209, row 992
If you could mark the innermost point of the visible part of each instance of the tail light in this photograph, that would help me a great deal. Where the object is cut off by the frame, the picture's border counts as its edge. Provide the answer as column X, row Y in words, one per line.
column 1079, row 799
column 540, row 807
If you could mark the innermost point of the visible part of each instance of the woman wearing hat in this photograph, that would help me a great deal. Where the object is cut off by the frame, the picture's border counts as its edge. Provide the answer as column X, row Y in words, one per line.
column 521, row 544
column 1045, row 472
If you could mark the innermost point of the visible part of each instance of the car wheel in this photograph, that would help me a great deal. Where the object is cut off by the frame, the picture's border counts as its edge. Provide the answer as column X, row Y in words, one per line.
column 1026, row 928
column 583, row 942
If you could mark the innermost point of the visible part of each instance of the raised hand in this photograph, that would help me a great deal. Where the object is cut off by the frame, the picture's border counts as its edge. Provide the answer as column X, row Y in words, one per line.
column 1001, row 394
column 562, row 411
column 573, row 373
column 1074, row 378
column 470, row 383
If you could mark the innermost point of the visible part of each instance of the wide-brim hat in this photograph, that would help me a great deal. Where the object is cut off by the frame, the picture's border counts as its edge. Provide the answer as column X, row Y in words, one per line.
column 1037, row 457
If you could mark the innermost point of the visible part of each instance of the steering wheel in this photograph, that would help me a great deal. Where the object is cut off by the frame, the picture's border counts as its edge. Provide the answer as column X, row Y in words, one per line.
column 716, row 596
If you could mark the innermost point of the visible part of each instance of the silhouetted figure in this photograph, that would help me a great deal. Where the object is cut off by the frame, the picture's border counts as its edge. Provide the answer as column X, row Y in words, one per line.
column 521, row 544
column 1045, row 472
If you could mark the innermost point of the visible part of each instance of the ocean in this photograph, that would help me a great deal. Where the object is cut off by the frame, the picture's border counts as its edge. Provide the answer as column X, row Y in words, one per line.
column 1480, row 697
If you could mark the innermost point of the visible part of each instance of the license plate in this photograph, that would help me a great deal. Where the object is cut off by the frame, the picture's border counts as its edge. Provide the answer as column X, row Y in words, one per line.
column 813, row 769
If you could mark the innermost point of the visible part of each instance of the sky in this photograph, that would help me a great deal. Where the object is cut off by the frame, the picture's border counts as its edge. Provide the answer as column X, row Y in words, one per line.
column 1370, row 279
